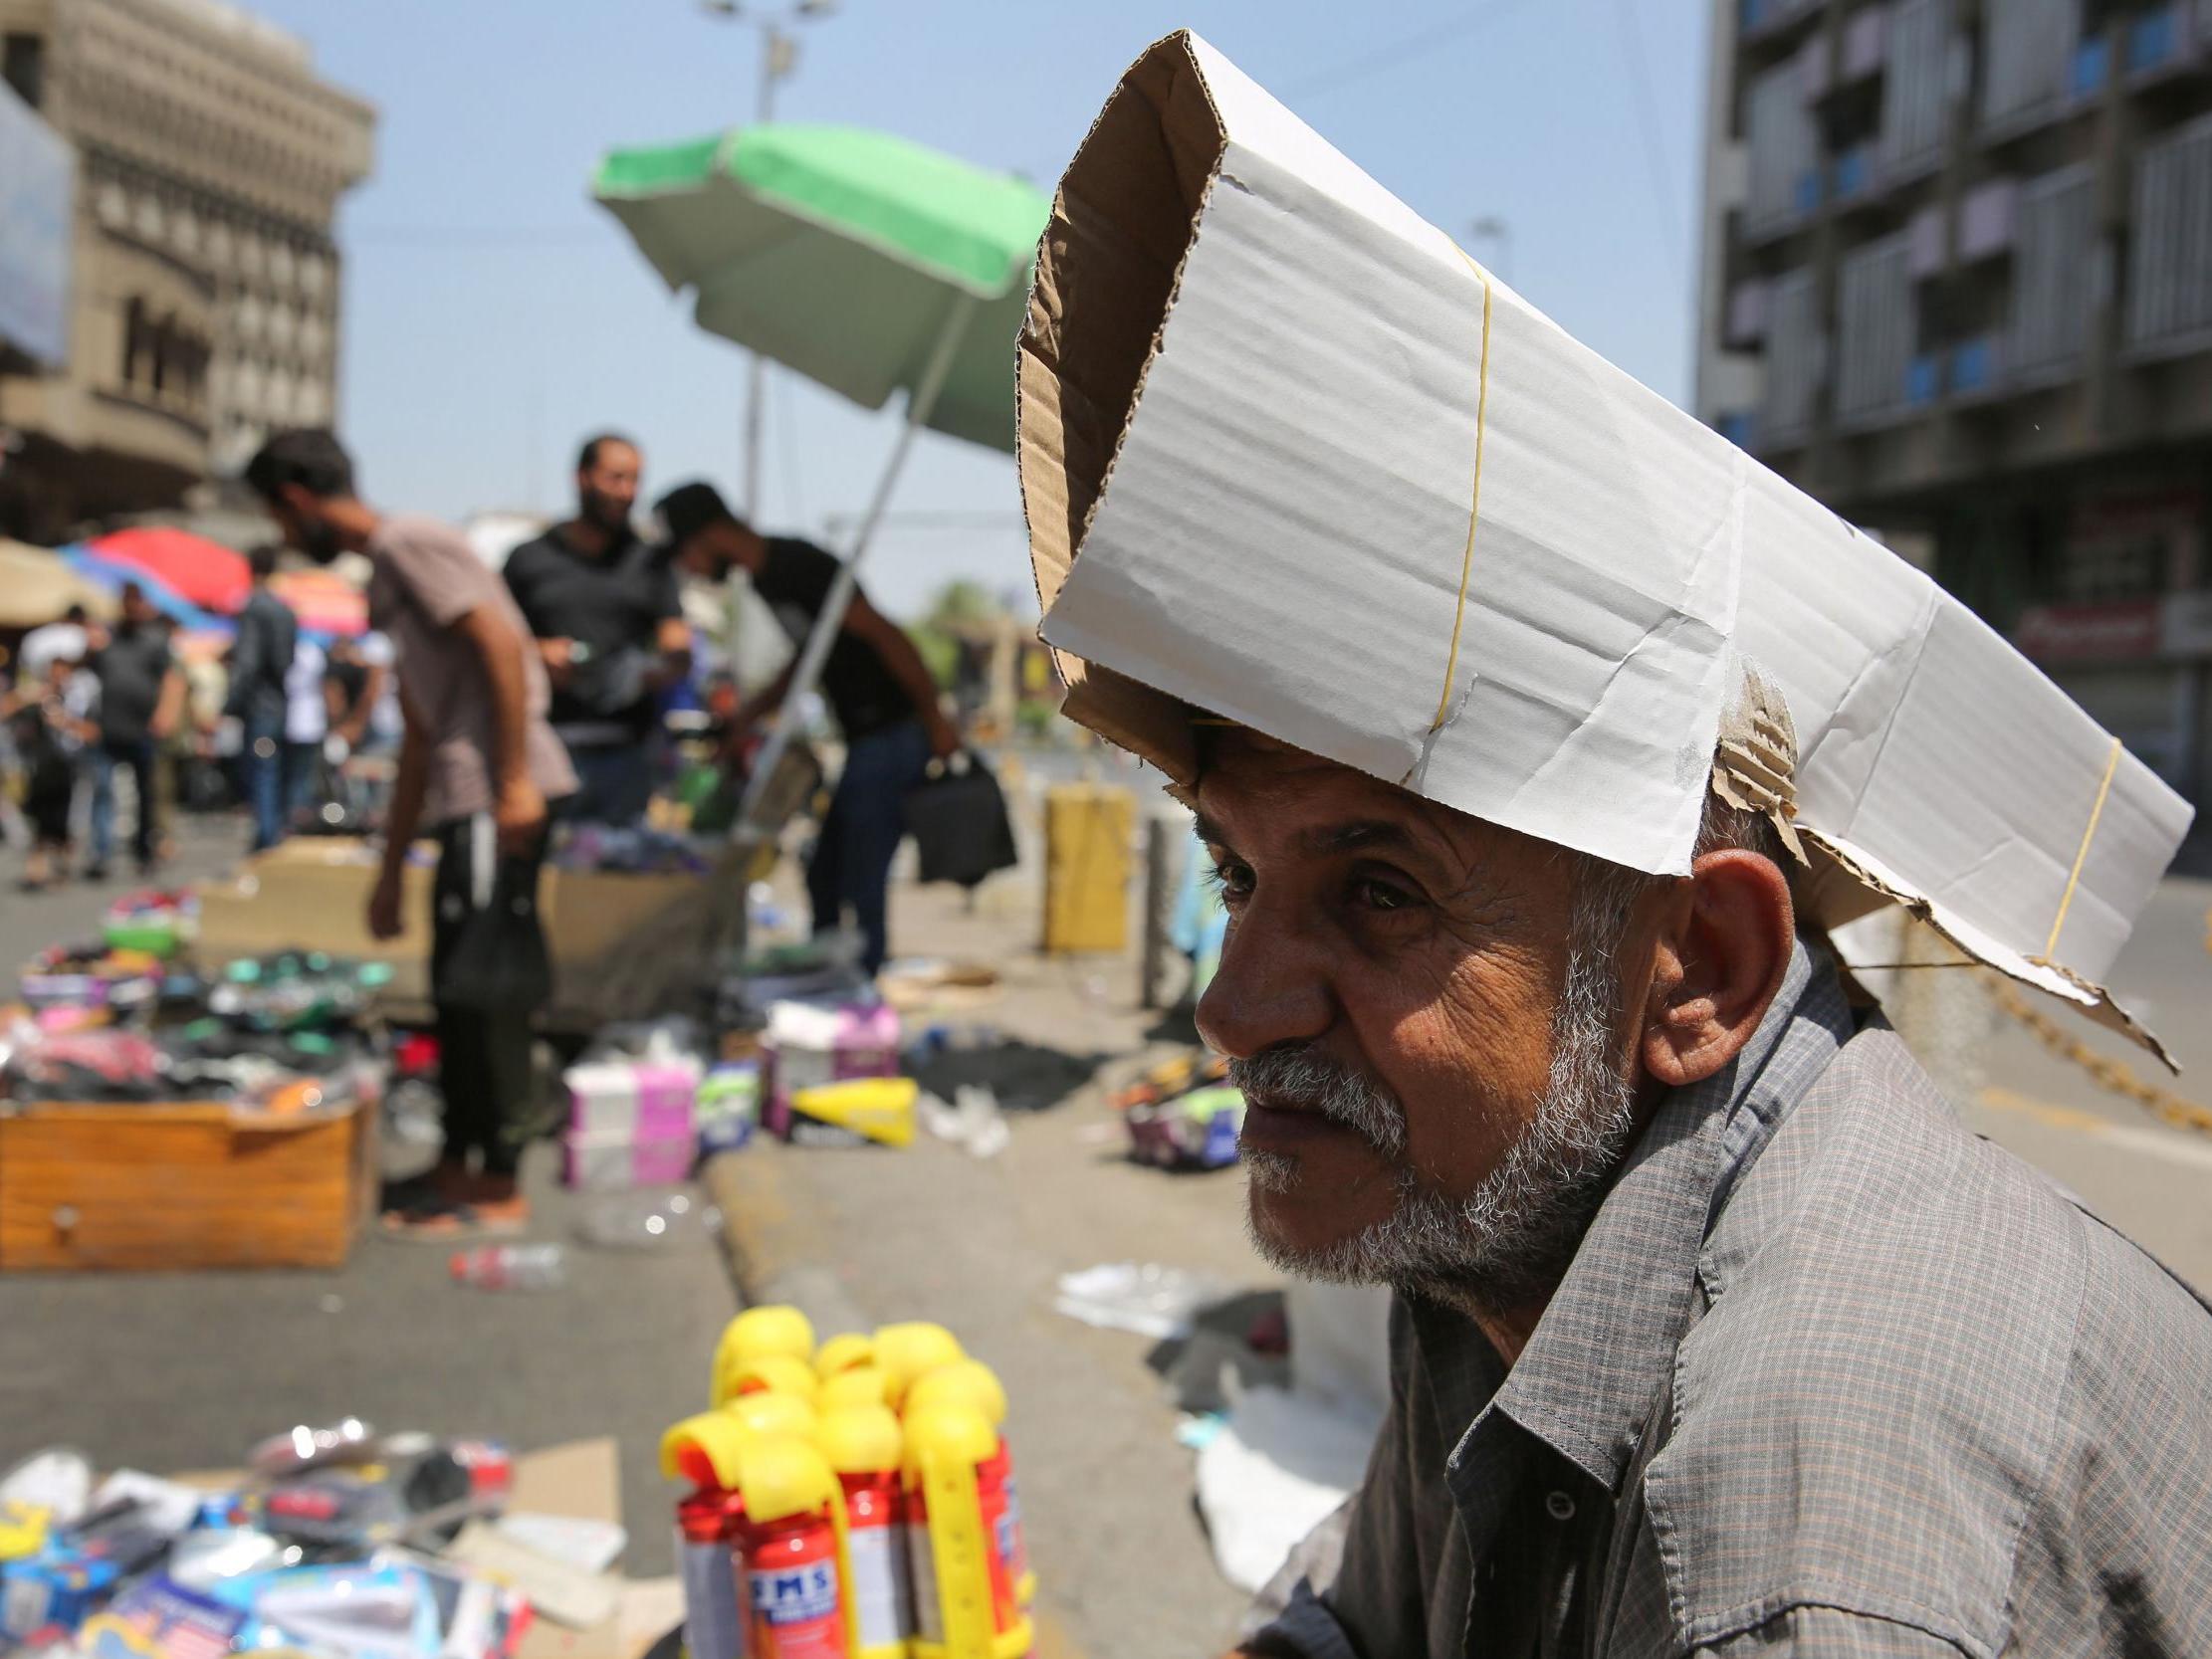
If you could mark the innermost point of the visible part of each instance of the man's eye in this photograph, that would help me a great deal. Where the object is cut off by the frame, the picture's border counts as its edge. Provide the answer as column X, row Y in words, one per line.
column 1230, row 880
column 1380, row 894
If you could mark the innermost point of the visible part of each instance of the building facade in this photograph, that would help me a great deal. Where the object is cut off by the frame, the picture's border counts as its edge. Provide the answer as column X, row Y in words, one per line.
column 206, row 282
column 1957, row 284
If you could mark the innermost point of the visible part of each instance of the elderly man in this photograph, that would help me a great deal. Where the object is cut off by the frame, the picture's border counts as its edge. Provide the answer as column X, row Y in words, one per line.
column 1703, row 1287
column 1715, row 1330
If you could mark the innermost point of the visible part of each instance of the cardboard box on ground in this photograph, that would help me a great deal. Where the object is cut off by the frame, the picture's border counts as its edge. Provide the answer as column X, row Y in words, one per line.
column 620, row 941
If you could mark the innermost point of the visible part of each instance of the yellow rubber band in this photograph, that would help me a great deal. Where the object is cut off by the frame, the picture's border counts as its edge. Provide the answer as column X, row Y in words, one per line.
column 2081, row 857
column 1475, row 499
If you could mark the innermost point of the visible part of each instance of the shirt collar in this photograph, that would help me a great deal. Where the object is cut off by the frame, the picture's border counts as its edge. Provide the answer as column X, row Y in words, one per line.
column 1585, row 1384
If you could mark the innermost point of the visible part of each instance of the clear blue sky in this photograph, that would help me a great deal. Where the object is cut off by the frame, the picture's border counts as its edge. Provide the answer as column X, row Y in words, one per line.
column 494, row 315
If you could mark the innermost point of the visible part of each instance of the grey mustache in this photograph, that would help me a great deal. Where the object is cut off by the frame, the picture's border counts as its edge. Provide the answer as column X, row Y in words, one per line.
column 1300, row 1077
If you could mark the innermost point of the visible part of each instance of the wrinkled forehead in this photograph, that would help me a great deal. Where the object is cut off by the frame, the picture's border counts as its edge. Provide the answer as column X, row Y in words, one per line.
column 1253, row 790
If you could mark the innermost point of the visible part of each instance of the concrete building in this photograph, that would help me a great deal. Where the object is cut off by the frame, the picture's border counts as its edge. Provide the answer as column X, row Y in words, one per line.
column 1957, row 284
column 205, row 310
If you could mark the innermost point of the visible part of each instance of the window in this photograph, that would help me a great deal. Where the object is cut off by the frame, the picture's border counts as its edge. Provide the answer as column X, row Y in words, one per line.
column 133, row 333
column 23, row 66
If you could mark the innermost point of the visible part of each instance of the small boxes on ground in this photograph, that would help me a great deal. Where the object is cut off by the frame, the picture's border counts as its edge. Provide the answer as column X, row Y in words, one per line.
column 813, row 1045
column 632, row 1122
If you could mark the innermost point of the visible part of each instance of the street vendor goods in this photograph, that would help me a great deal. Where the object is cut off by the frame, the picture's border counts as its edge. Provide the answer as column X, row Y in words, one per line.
column 821, row 1521
column 308, row 1553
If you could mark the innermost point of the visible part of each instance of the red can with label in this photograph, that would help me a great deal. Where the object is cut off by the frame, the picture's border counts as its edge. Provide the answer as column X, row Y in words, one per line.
column 1001, row 1507
column 707, row 1524
column 875, row 1541
column 797, row 1596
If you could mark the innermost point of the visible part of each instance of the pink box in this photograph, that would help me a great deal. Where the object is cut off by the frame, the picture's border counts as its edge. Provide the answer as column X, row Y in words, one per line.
column 809, row 1046
column 665, row 1095
column 601, row 1162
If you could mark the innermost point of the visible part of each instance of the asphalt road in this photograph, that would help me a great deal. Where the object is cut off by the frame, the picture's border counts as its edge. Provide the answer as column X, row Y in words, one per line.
column 186, row 1370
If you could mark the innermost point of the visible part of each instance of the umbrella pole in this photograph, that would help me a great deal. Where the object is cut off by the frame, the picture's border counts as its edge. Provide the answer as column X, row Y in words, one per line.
column 832, row 617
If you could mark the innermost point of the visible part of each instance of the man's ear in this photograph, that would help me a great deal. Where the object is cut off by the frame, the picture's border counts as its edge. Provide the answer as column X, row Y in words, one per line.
column 1718, row 961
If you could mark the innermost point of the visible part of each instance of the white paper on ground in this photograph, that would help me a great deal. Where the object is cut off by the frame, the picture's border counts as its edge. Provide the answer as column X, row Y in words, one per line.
column 1251, row 383
column 1282, row 1463
column 587, row 1545
column 554, row 1587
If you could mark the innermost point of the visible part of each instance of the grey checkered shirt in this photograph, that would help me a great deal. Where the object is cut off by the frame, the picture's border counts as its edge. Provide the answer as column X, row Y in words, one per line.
column 1829, row 1375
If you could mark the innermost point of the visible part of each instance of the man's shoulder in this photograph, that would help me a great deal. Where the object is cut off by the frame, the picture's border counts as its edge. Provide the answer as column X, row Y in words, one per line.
column 794, row 556
column 418, row 533
column 533, row 556
column 1909, row 1352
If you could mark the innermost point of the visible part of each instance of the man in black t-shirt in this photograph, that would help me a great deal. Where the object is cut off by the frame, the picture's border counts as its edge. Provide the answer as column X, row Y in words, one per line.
column 603, row 608
column 142, row 699
column 876, row 684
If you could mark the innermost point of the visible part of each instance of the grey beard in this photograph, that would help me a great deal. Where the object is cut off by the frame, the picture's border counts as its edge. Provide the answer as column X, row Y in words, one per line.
column 1514, row 1235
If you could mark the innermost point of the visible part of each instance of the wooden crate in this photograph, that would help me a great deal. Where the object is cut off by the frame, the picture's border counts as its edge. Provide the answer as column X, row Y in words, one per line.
column 181, row 1186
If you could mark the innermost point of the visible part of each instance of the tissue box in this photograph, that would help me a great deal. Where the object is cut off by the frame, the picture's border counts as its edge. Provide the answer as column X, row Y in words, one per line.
column 813, row 1045
column 602, row 1163
column 637, row 1100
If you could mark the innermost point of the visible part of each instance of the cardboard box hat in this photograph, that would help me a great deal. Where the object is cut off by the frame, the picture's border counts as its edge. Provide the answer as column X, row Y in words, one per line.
column 1291, row 458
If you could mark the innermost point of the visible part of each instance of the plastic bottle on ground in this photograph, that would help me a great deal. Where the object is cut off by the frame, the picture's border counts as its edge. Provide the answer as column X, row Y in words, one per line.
column 510, row 1267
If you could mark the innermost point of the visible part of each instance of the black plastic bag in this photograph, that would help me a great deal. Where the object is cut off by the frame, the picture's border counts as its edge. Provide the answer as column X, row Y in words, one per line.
column 958, row 817
column 491, row 955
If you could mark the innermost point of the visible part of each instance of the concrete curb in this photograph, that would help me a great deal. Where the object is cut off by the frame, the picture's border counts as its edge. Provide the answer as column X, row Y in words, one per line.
column 775, row 1250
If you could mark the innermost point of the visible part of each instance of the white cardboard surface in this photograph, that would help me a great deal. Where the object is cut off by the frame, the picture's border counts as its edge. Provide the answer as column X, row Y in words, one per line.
column 1269, row 525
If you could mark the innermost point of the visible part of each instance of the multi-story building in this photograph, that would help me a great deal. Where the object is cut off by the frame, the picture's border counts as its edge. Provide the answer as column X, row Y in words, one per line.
column 1958, row 284
column 205, row 310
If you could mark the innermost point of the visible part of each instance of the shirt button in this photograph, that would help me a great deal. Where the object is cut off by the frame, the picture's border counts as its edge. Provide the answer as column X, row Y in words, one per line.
column 1559, row 1505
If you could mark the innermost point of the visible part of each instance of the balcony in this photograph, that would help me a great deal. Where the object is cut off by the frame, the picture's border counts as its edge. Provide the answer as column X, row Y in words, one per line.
column 1765, row 20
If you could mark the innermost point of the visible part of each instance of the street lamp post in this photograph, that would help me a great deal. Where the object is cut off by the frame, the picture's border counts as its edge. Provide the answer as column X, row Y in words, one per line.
column 779, row 58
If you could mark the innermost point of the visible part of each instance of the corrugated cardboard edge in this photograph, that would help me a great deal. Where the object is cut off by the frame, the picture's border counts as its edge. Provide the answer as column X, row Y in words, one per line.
column 2052, row 978
column 1159, row 126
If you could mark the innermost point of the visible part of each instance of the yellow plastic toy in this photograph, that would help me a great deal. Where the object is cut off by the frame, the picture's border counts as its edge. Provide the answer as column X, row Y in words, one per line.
column 968, row 1383
column 845, row 1352
column 767, row 1412
column 777, row 1373
column 862, row 1385
column 905, row 1352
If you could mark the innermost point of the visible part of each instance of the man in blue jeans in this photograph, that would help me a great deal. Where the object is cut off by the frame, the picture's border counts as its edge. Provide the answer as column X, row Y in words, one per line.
column 876, row 681
column 142, row 699
column 267, row 639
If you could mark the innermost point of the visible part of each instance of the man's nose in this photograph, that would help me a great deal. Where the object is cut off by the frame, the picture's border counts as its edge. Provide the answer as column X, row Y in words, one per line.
column 1272, row 987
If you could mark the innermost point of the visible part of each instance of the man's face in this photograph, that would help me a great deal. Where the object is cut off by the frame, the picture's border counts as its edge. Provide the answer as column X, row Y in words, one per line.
column 299, row 516
column 606, row 491
column 137, row 609
column 1389, row 996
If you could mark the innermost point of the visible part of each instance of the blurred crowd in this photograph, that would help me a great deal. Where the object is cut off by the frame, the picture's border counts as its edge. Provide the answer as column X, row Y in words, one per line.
column 105, row 728
column 472, row 706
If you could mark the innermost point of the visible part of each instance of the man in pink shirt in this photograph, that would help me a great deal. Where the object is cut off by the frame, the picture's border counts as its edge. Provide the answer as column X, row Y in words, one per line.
column 477, row 768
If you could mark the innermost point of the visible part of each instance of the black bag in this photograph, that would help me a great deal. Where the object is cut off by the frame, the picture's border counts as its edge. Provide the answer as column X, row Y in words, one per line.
column 492, row 958
column 958, row 817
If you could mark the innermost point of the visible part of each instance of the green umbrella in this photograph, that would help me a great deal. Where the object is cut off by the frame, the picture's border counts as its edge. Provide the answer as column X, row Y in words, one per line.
column 868, row 264
column 844, row 253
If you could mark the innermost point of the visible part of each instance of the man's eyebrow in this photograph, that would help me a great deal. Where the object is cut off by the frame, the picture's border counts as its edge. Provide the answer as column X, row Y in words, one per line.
column 1356, row 835
column 1327, row 840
